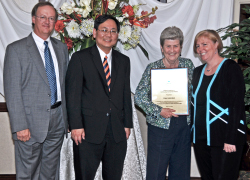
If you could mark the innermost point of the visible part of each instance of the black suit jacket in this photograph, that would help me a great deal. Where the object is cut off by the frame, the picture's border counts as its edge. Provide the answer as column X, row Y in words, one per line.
column 89, row 102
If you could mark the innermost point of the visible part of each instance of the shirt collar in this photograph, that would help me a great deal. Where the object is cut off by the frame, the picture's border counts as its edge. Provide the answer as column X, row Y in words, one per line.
column 38, row 39
column 103, row 54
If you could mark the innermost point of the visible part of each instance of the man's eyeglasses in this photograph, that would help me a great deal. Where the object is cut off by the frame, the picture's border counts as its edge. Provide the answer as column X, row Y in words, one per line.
column 44, row 18
column 105, row 31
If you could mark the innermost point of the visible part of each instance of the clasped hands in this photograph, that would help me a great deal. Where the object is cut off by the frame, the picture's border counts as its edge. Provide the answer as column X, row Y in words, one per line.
column 168, row 113
column 78, row 134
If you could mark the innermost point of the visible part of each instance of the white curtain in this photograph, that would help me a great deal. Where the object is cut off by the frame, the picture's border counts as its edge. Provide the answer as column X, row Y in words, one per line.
column 191, row 16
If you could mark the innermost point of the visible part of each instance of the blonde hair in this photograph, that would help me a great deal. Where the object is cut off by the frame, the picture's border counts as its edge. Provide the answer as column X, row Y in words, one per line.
column 210, row 34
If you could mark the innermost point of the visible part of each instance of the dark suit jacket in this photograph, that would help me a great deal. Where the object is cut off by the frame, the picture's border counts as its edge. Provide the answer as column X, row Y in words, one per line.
column 89, row 102
column 26, row 87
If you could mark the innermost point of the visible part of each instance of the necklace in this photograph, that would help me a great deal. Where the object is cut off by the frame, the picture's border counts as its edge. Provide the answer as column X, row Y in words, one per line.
column 213, row 67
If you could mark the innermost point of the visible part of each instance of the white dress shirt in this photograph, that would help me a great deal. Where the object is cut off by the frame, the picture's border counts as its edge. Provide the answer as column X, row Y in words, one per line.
column 109, row 55
column 40, row 45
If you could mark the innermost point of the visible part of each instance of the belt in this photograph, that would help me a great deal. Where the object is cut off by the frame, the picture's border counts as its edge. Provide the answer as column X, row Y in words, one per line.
column 57, row 104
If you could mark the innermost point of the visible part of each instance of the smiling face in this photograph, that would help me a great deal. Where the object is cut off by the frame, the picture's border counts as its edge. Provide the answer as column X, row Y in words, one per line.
column 43, row 28
column 105, row 41
column 171, row 49
column 206, row 48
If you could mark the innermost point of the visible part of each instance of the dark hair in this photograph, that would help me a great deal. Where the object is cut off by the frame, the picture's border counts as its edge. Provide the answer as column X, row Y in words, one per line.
column 40, row 4
column 101, row 19
column 210, row 34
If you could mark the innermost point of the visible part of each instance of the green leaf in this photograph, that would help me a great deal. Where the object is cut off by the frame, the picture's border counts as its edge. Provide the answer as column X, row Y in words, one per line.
column 247, row 37
column 143, row 50
column 88, row 42
column 77, row 46
column 62, row 38
column 243, row 29
column 66, row 32
column 247, row 87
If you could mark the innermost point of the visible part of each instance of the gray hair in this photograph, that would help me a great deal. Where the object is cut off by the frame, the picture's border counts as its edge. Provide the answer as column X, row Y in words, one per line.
column 171, row 33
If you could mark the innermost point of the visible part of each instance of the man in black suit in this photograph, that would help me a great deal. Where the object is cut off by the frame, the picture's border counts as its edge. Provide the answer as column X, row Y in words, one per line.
column 99, row 107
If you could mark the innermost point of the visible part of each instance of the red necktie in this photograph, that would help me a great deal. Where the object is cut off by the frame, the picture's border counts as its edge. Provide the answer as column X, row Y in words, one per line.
column 106, row 71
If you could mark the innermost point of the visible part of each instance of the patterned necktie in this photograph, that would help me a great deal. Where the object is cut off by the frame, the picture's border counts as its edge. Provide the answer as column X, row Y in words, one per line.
column 106, row 71
column 50, row 71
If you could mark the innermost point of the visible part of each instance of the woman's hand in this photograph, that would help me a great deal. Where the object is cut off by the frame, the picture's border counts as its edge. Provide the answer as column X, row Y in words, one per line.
column 168, row 113
column 229, row 148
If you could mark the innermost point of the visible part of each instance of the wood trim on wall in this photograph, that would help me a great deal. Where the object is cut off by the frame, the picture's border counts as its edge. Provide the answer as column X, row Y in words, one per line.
column 3, row 107
column 7, row 177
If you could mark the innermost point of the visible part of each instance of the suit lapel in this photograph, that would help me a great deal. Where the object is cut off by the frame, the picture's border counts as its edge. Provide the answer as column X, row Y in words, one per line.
column 114, row 70
column 36, row 57
column 60, row 57
column 98, row 63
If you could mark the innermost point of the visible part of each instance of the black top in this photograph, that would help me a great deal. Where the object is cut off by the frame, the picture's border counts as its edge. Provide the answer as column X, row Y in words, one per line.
column 201, row 106
column 226, row 110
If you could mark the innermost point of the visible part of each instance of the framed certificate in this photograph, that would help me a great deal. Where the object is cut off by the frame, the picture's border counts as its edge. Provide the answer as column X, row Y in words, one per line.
column 169, row 89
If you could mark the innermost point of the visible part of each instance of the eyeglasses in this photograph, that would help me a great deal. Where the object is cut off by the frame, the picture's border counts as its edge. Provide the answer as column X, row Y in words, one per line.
column 44, row 18
column 105, row 31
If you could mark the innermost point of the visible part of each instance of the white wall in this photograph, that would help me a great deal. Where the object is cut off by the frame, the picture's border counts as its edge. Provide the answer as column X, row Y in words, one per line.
column 7, row 158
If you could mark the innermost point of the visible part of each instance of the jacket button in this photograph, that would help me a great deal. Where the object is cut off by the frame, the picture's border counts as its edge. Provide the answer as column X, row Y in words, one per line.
column 107, row 114
column 49, row 95
column 48, row 110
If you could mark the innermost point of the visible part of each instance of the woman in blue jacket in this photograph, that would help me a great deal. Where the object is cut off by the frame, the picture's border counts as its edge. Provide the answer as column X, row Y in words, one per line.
column 217, row 111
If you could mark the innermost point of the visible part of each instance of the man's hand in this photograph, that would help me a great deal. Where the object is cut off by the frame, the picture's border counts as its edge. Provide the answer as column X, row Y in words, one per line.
column 77, row 135
column 23, row 135
column 127, row 131
column 168, row 113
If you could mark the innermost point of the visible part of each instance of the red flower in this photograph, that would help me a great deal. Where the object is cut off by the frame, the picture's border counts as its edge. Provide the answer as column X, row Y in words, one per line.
column 148, row 20
column 59, row 26
column 128, row 9
column 144, row 12
column 69, row 42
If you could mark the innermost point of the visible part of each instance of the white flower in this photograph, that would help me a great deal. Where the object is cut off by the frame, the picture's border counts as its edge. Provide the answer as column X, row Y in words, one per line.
column 64, row 6
column 112, row 4
column 67, row 8
column 73, row 29
column 86, row 11
column 85, row 8
column 124, row 33
column 125, row 15
column 127, row 46
column 76, row 10
column 135, row 8
column 120, row 19
column 87, row 27
column 123, row 4
column 134, row 39
column 84, row 2
column 126, row 23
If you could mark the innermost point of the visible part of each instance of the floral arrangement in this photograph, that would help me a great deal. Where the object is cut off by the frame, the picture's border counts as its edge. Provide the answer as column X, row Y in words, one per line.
column 76, row 22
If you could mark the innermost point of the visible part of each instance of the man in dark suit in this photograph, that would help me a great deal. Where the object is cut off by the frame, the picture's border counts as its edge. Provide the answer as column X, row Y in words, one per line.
column 34, row 76
column 99, row 104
